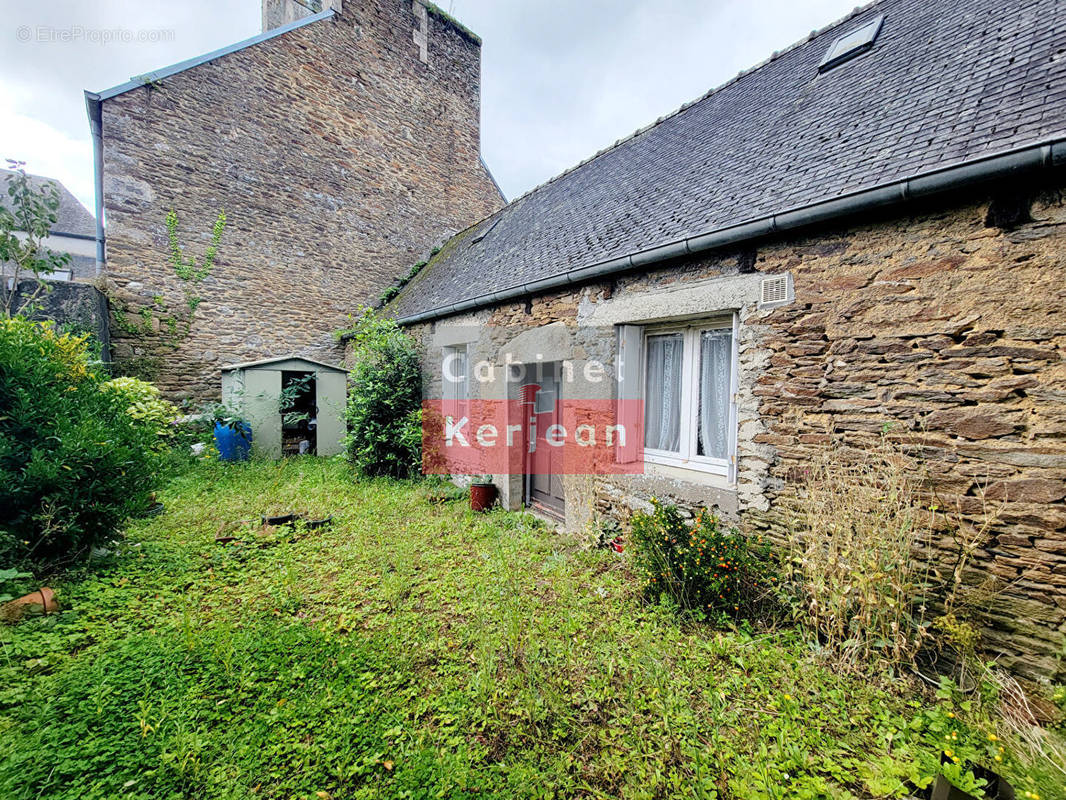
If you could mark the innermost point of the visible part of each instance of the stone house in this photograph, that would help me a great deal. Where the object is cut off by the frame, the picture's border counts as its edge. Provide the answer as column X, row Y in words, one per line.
column 867, row 229
column 343, row 146
column 74, row 232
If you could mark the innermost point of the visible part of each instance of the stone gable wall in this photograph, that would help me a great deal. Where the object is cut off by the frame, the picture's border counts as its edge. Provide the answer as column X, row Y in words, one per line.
column 340, row 159
column 949, row 329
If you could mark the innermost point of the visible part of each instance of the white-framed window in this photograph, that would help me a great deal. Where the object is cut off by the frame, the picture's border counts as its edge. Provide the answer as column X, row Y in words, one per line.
column 689, row 391
column 455, row 380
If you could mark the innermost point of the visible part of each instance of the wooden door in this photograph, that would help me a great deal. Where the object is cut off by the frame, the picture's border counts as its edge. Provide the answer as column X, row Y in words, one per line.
column 544, row 462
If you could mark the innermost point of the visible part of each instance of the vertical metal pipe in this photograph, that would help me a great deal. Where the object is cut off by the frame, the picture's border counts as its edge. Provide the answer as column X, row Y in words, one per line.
column 92, row 103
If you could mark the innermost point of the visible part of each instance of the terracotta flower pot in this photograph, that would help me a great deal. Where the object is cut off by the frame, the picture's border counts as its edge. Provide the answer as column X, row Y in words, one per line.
column 43, row 601
column 482, row 496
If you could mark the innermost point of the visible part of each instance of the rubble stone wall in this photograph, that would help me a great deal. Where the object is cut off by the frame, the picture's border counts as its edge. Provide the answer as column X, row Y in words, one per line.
column 340, row 158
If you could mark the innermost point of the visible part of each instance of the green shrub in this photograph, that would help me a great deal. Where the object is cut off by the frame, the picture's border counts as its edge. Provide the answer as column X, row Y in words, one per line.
column 145, row 406
column 384, row 402
column 73, row 462
column 703, row 568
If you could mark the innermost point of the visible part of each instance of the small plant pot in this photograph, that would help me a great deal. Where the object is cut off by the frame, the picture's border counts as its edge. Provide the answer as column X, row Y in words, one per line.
column 943, row 790
column 997, row 788
column 482, row 496
column 154, row 510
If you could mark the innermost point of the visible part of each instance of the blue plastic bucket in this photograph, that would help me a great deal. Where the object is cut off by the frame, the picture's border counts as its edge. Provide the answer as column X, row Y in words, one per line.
column 233, row 443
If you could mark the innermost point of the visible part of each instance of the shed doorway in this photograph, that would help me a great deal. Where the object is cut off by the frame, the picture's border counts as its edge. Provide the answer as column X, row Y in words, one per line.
column 299, row 414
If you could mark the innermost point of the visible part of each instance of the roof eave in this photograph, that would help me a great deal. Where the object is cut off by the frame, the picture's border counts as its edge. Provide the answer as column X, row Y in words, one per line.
column 1044, row 155
column 277, row 360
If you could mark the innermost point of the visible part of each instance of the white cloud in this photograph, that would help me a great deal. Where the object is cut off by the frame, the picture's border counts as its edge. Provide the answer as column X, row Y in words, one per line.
column 46, row 149
column 561, row 79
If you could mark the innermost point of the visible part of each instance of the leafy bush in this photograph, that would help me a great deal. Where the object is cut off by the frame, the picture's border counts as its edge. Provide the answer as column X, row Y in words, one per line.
column 702, row 567
column 73, row 462
column 145, row 406
column 384, row 402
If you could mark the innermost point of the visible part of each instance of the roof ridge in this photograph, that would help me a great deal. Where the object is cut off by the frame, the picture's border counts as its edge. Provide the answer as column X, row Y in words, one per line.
column 686, row 106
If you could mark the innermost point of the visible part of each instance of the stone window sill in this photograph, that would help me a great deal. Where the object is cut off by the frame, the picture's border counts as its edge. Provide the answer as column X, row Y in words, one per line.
column 699, row 474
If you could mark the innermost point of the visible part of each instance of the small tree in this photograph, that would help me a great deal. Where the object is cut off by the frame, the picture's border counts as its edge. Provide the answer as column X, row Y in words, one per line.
column 384, row 402
column 26, row 220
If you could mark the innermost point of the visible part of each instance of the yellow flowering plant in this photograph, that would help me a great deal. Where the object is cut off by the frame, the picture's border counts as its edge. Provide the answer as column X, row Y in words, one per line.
column 75, row 463
column 704, row 567
column 145, row 406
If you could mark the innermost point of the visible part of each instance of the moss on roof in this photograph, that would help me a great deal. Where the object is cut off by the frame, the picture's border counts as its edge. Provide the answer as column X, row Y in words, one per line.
column 444, row 16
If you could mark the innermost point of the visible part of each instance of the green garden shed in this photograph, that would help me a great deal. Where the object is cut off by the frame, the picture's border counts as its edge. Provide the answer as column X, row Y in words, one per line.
column 295, row 405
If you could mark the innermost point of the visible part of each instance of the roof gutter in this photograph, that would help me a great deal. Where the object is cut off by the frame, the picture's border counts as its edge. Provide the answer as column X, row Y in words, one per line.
column 92, row 106
column 1010, row 164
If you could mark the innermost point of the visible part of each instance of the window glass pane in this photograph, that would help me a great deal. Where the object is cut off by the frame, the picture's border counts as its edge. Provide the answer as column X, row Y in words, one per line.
column 716, row 356
column 454, row 377
column 544, row 402
column 662, row 393
column 463, row 389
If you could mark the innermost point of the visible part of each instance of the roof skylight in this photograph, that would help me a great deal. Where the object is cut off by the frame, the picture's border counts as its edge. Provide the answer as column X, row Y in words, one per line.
column 851, row 44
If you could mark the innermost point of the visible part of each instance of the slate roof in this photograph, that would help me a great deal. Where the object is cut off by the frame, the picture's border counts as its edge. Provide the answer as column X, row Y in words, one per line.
column 74, row 219
column 945, row 82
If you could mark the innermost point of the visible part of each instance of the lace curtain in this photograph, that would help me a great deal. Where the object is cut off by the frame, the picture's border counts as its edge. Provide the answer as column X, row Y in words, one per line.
column 662, row 395
column 716, row 355
column 453, row 375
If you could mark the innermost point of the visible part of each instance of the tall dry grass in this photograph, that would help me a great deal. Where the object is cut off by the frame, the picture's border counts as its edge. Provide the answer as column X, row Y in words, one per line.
column 863, row 566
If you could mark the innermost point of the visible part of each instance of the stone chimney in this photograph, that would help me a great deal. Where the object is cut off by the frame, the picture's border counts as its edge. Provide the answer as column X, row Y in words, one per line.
column 281, row 12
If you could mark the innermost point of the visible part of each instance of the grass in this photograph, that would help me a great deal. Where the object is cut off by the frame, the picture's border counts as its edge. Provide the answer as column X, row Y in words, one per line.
column 415, row 649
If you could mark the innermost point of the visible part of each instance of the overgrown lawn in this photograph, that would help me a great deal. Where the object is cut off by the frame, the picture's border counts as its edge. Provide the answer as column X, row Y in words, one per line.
column 416, row 649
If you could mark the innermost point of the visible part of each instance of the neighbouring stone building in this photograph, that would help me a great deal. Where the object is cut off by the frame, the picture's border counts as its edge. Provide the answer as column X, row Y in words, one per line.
column 343, row 145
column 868, row 229
column 74, row 232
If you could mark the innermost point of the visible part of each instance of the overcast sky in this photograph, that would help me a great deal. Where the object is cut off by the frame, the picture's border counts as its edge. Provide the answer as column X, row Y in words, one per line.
column 561, row 79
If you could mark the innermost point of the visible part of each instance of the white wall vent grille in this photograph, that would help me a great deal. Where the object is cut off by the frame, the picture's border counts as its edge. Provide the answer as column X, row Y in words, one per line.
column 774, row 290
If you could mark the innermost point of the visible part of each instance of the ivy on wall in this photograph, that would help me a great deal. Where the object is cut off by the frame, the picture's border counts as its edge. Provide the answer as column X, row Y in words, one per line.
column 174, row 324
